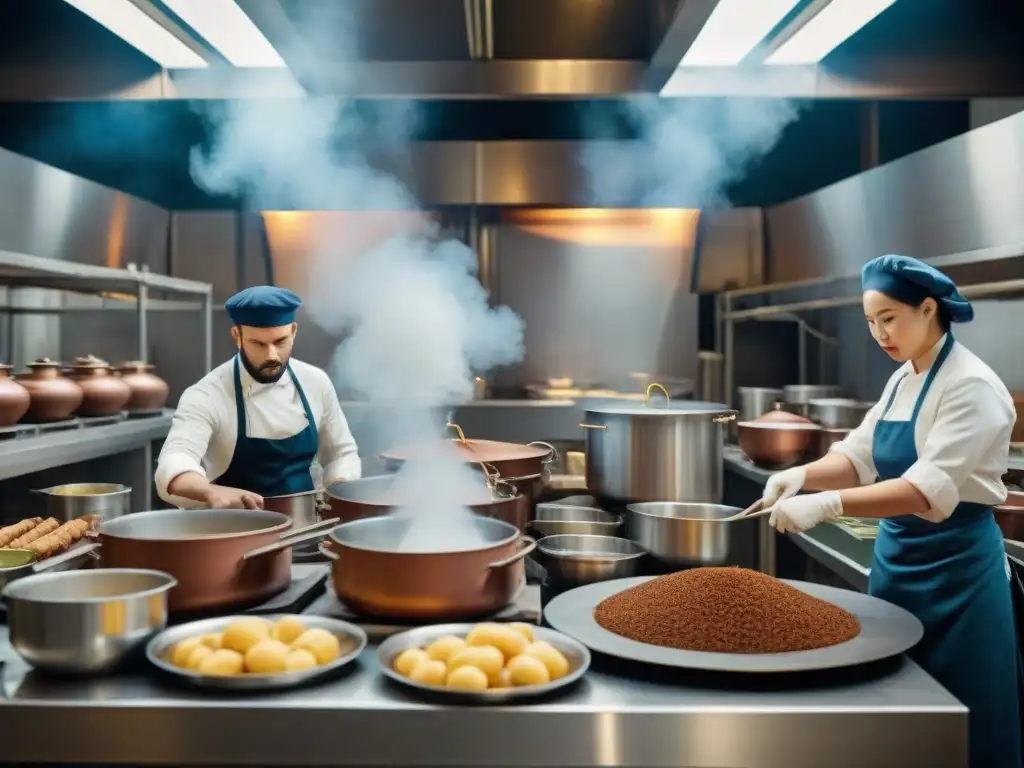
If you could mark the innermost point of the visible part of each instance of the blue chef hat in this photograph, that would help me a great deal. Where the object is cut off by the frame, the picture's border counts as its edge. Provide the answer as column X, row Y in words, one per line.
column 263, row 306
column 911, row 281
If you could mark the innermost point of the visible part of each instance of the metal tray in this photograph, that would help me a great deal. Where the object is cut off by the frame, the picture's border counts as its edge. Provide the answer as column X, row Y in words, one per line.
column 420, row 637
column 353, row 638
column 886, row 630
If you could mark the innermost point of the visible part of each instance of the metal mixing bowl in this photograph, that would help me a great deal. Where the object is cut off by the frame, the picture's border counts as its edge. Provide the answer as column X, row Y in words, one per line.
column 575, row 560
column 556, row 520
column 85, row 622
column 684, row 535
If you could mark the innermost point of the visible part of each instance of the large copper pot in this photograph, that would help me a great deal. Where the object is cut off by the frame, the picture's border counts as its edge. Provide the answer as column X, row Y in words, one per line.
column 371, row 576
column 1010, row 516
column 14, row 398
column 511, row 460
column 103, row 393
column 220, row 557
column 148, row 391
column 778, row 439
column 52, row 396
column 373, row 497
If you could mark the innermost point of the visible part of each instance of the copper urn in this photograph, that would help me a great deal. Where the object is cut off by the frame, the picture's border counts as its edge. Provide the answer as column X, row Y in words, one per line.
column 148, row 391
column 14, row 398
column 103, row 394
column 52, row 396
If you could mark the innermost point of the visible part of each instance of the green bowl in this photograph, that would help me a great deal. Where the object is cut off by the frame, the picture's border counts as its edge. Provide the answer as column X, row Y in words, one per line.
column 15, row 558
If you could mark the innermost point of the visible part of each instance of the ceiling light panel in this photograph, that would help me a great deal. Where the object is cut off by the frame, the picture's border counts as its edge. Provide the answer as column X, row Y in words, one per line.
column 224, row 25
column 836, row 22
column 733, row 30
column 143, row 32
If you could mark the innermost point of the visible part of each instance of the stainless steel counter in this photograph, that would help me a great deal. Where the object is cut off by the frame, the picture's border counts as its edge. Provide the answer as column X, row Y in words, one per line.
column 900, row 719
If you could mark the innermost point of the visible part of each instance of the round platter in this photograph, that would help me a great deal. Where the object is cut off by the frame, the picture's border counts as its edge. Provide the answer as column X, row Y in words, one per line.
column 886, row 630
column 420, row 637
column 352, row 638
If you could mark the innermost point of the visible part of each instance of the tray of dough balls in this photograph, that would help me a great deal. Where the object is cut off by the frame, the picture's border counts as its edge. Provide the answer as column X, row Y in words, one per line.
column 489, row 662
column 256, row 652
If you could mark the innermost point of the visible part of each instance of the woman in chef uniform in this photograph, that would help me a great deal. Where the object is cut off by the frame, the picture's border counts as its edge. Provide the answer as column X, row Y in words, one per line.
column 928, row 459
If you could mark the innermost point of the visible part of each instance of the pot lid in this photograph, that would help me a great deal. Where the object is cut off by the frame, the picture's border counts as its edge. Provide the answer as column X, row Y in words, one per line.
column 89, row 361
column 781, row 416
column 135, row 365
column 474, row 451
column 43, row 362
column 658, row 408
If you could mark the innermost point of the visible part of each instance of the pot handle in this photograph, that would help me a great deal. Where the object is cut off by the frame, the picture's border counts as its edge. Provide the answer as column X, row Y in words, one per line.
column 65, row 557
column 458, row 431
column 299, row 535
column 726, row 417
column 531, row 544
column 330, row 554
column 653, row 386
column 552, row 457
column 592, row 426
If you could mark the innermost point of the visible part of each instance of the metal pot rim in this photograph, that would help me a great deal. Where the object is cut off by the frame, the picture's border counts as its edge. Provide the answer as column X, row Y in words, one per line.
column 366, row 521
column 169, row 583
column 633, row 508
column 120, row 490
column 568, row 554
column 840, row 402
column 783, row 426
column 692, row 408
column 280, row 527
column 292, row 496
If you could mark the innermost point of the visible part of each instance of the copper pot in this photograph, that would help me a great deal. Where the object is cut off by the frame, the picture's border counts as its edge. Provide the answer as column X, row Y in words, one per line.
column 371, row 576
column 830, row 437
column 1017, row 436
column 14, row 398
column 103, row 394
column 778, row 439
column 372, row 497
column 220, row 557
column 1010, row 516
column 509, row 459
column 52, row 396
column 148, row 391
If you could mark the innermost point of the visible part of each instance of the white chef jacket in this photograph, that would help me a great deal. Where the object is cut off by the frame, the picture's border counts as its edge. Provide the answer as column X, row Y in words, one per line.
column 204, row 430
column 962, row 432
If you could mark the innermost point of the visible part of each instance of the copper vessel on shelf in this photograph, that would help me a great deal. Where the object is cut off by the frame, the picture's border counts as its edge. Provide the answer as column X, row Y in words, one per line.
column 14, row 398
column 52, row 396
column 779, row 439
column 148, row 391
column 103, row 393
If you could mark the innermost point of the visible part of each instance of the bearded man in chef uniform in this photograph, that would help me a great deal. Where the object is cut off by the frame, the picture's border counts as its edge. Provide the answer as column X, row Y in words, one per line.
column 254, row 425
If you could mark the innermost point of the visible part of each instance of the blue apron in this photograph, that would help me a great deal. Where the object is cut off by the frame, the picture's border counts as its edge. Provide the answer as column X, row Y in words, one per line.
column 271, row 467
column 952, row 576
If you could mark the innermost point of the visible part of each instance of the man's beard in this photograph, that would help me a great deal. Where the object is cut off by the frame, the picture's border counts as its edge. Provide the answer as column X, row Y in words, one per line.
column 262, row 374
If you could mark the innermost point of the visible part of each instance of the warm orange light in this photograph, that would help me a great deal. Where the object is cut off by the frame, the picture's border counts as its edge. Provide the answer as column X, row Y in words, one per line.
column 115, row 232
column 654, row 227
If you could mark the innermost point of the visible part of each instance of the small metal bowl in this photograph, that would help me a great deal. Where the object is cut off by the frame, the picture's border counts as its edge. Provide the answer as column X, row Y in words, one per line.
column 85, row 622
column 556, row 520
column 575, row 560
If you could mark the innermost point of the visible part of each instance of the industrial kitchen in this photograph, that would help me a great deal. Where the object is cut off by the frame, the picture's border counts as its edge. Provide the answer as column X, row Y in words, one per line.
column 511, row 383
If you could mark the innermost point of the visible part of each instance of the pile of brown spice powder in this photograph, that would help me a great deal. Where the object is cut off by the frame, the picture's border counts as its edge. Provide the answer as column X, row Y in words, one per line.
column 725, row 610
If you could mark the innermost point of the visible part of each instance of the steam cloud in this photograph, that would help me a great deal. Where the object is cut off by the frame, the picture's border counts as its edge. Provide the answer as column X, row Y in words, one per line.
column 415, row 322
column 689, row 150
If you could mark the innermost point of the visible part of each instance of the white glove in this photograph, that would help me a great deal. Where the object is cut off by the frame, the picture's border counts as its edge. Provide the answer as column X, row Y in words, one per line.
column 783, row 485
column 801, row 513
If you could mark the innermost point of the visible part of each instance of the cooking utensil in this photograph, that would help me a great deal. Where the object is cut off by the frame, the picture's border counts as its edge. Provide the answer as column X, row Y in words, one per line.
column 683, row 535
column 572, row 560
column 575, row 653
column 558, row 519
column 374, row 496
column 837, row 412
column 756, row 401
column 754, row 510
column 799, row 396
column 651, row 451
column 1010, row 516
column 778, row 439
column 52, row 396
column 85, row 622
column 14, row 398
column 886, row 631
column 148, row 391
column 19, row 563
column 72, row 500
column 205, row 549
column 511, row 460
column 352, row 638
column 372, row 575
column 304, row 509
column 103, row 393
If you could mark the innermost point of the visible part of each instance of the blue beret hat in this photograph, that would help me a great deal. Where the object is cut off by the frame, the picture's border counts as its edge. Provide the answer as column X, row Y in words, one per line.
column 911, row 281
column 263, row 306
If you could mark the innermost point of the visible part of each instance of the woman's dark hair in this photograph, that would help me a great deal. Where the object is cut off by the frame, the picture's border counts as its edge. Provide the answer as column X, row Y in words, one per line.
column 943, row 314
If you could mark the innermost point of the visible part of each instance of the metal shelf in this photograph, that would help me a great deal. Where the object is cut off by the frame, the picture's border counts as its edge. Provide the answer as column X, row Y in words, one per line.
column 25, row 455
column 18, row 270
